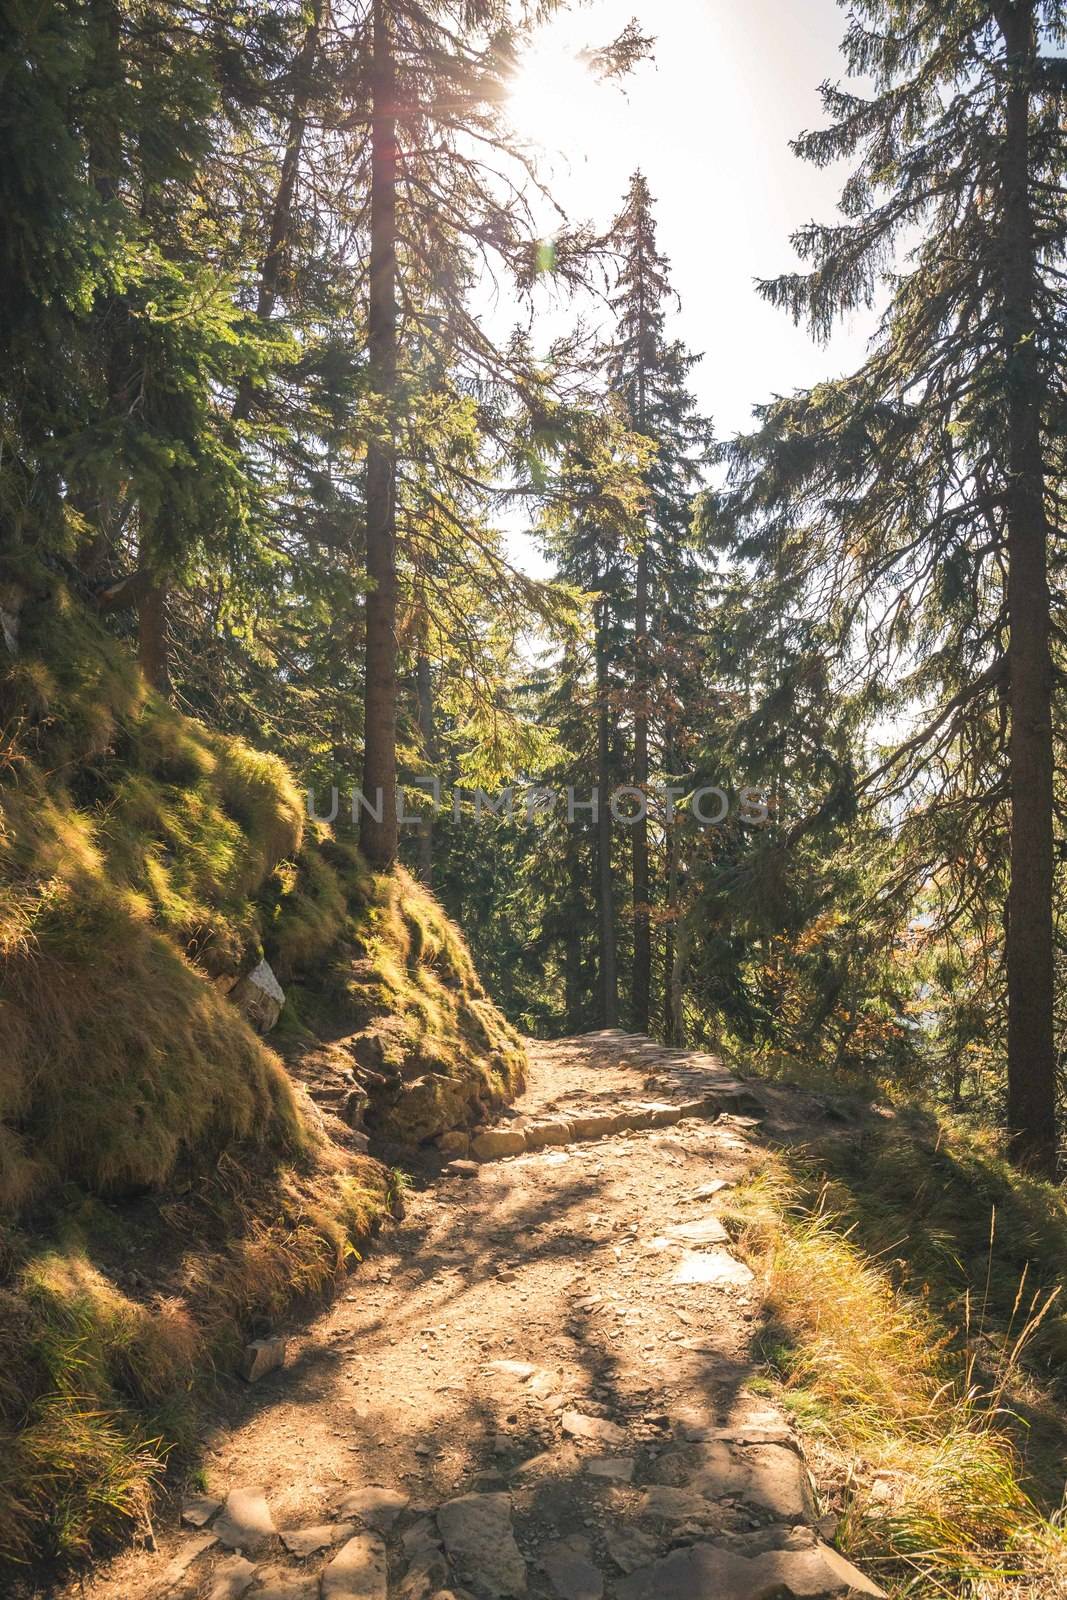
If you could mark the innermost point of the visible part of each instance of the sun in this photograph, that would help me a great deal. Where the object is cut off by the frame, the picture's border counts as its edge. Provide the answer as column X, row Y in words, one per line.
column 552, row 99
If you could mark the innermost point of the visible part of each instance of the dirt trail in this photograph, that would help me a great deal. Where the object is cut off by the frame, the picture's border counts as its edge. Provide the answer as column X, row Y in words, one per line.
column 544, row 1370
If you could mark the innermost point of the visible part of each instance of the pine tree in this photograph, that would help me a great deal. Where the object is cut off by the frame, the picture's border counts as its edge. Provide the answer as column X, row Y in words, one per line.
column 648, row 375
column 910, row 505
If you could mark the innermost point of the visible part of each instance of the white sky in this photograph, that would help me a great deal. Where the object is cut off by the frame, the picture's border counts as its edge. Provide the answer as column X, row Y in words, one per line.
column 709, row 123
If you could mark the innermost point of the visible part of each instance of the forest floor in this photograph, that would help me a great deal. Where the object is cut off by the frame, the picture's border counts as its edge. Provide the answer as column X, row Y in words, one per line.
column 539, row 1382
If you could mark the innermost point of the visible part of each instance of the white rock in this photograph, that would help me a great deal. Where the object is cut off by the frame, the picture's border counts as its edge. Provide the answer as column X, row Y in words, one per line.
column 263, row 1356
column 260, row 997
column 716, row 1267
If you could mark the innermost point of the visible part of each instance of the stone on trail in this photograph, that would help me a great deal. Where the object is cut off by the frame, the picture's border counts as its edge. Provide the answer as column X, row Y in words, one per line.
column 462, row 1169
column 618, row 1469
column 667, row 1504
column 539, row 1135
column 245, row 1522
column 358, row 1571
column 716, row 1267
column 629, row 1548
column 493, row 1143
column 289, row 1589
column 376, row 1507
column 305, row 1542
column 514, row 1369
column 189, row 1552
column 707, row 1190
column 232, row 1577
column 579, row 1426
column 703, row 1570
column 702, row 1230
column 478, row 1536
column 198, row 1510
column 778, row 1482
column 571, row 1574
column 263, row 1356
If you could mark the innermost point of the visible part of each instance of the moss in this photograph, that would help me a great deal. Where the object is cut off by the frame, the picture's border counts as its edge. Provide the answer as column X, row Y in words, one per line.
column 145, row 862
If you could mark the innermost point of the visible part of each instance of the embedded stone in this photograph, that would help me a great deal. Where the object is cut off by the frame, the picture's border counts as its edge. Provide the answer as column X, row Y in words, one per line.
column 579, row 1426
column 478, row 1536
column 358, row 1571
column 245, row 1522
column 232, row 1577
column 376, row 1507
column 494, row 1143
column 305, row 1542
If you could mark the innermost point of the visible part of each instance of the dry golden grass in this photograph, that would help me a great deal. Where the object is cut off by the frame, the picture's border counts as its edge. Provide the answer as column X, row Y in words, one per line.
column 931, row 1482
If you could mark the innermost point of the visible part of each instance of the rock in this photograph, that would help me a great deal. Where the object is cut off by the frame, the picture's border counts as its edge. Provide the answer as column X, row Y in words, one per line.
column 422, row 1535
column 425, row 1575
column 462, row 1169
column 481, row 1545
column 198, row 1510
column 263, row 1356
column 571, row 1574
column 493, row 1143
column 283, row 1588
column 812, row 1574
column 697, row 1572
column 557, row 1463
column 454, row 1143
column 580, row 1426
column 514, row 1369
column 245, row 1522
column 596, row 1124
column 707, row 1190
column 358, row 1571
column 619, row 1469
column 232, row 1577
column 539, row 1135
column 354, row 1108
column 378, row 1508
column 260, row 997
column 702, row 1230
column 717, row 1267
column 191, row 1551
column 668, row 1504
column 629, row 1548
column 305, row 1542
column 778, row 1483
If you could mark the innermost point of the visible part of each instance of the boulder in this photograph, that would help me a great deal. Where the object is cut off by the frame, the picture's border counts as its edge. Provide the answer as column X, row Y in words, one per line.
column 260, row 997
column 359, row 1570
column 493, row 1143
column 263, row 1356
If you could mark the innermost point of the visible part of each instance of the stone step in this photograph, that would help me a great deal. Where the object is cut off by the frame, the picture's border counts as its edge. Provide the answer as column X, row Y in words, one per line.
column 729, row 1098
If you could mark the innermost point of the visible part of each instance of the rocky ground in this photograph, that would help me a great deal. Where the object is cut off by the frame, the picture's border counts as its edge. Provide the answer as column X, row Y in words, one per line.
column 538, row 1384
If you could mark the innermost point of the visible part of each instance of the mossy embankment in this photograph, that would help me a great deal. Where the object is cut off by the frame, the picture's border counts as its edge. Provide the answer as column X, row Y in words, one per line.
column 167, row 1185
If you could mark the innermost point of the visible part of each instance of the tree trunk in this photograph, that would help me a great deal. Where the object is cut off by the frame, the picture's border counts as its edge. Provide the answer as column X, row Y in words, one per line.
column 609, row 979
column 572, row 937
column 674, row 953
column 378, row 832
column 153, row 636
column 642, row 968
column 1031, row 1047
column 282, row 211
column 424, row 691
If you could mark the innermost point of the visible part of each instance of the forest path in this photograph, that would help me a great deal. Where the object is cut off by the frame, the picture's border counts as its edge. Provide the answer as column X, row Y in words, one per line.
column 538, row 1382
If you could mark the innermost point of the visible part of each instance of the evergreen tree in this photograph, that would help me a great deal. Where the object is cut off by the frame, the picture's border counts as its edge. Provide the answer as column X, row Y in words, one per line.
column 909, row 506
column 648, row 374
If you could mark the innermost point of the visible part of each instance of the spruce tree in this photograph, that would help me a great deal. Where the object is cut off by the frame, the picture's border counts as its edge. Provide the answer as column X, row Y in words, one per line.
column 910, row 505
column 648, row 374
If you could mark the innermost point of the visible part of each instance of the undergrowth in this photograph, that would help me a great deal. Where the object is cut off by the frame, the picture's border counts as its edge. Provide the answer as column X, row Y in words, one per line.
column 914, row 1420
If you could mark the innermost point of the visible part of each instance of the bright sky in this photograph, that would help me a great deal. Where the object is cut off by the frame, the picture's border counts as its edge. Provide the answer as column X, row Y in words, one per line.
column 709, row 122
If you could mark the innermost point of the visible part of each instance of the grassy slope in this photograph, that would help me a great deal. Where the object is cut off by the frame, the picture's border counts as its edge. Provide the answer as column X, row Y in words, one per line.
column 913, row 1326
column 166, row 1190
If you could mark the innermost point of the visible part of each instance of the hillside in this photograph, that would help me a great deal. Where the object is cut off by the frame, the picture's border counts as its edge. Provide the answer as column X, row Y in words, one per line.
column 167, row 1185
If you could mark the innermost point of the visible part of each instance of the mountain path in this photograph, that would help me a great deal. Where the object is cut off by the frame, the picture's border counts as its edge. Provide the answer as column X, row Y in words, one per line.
column 539, row 1382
